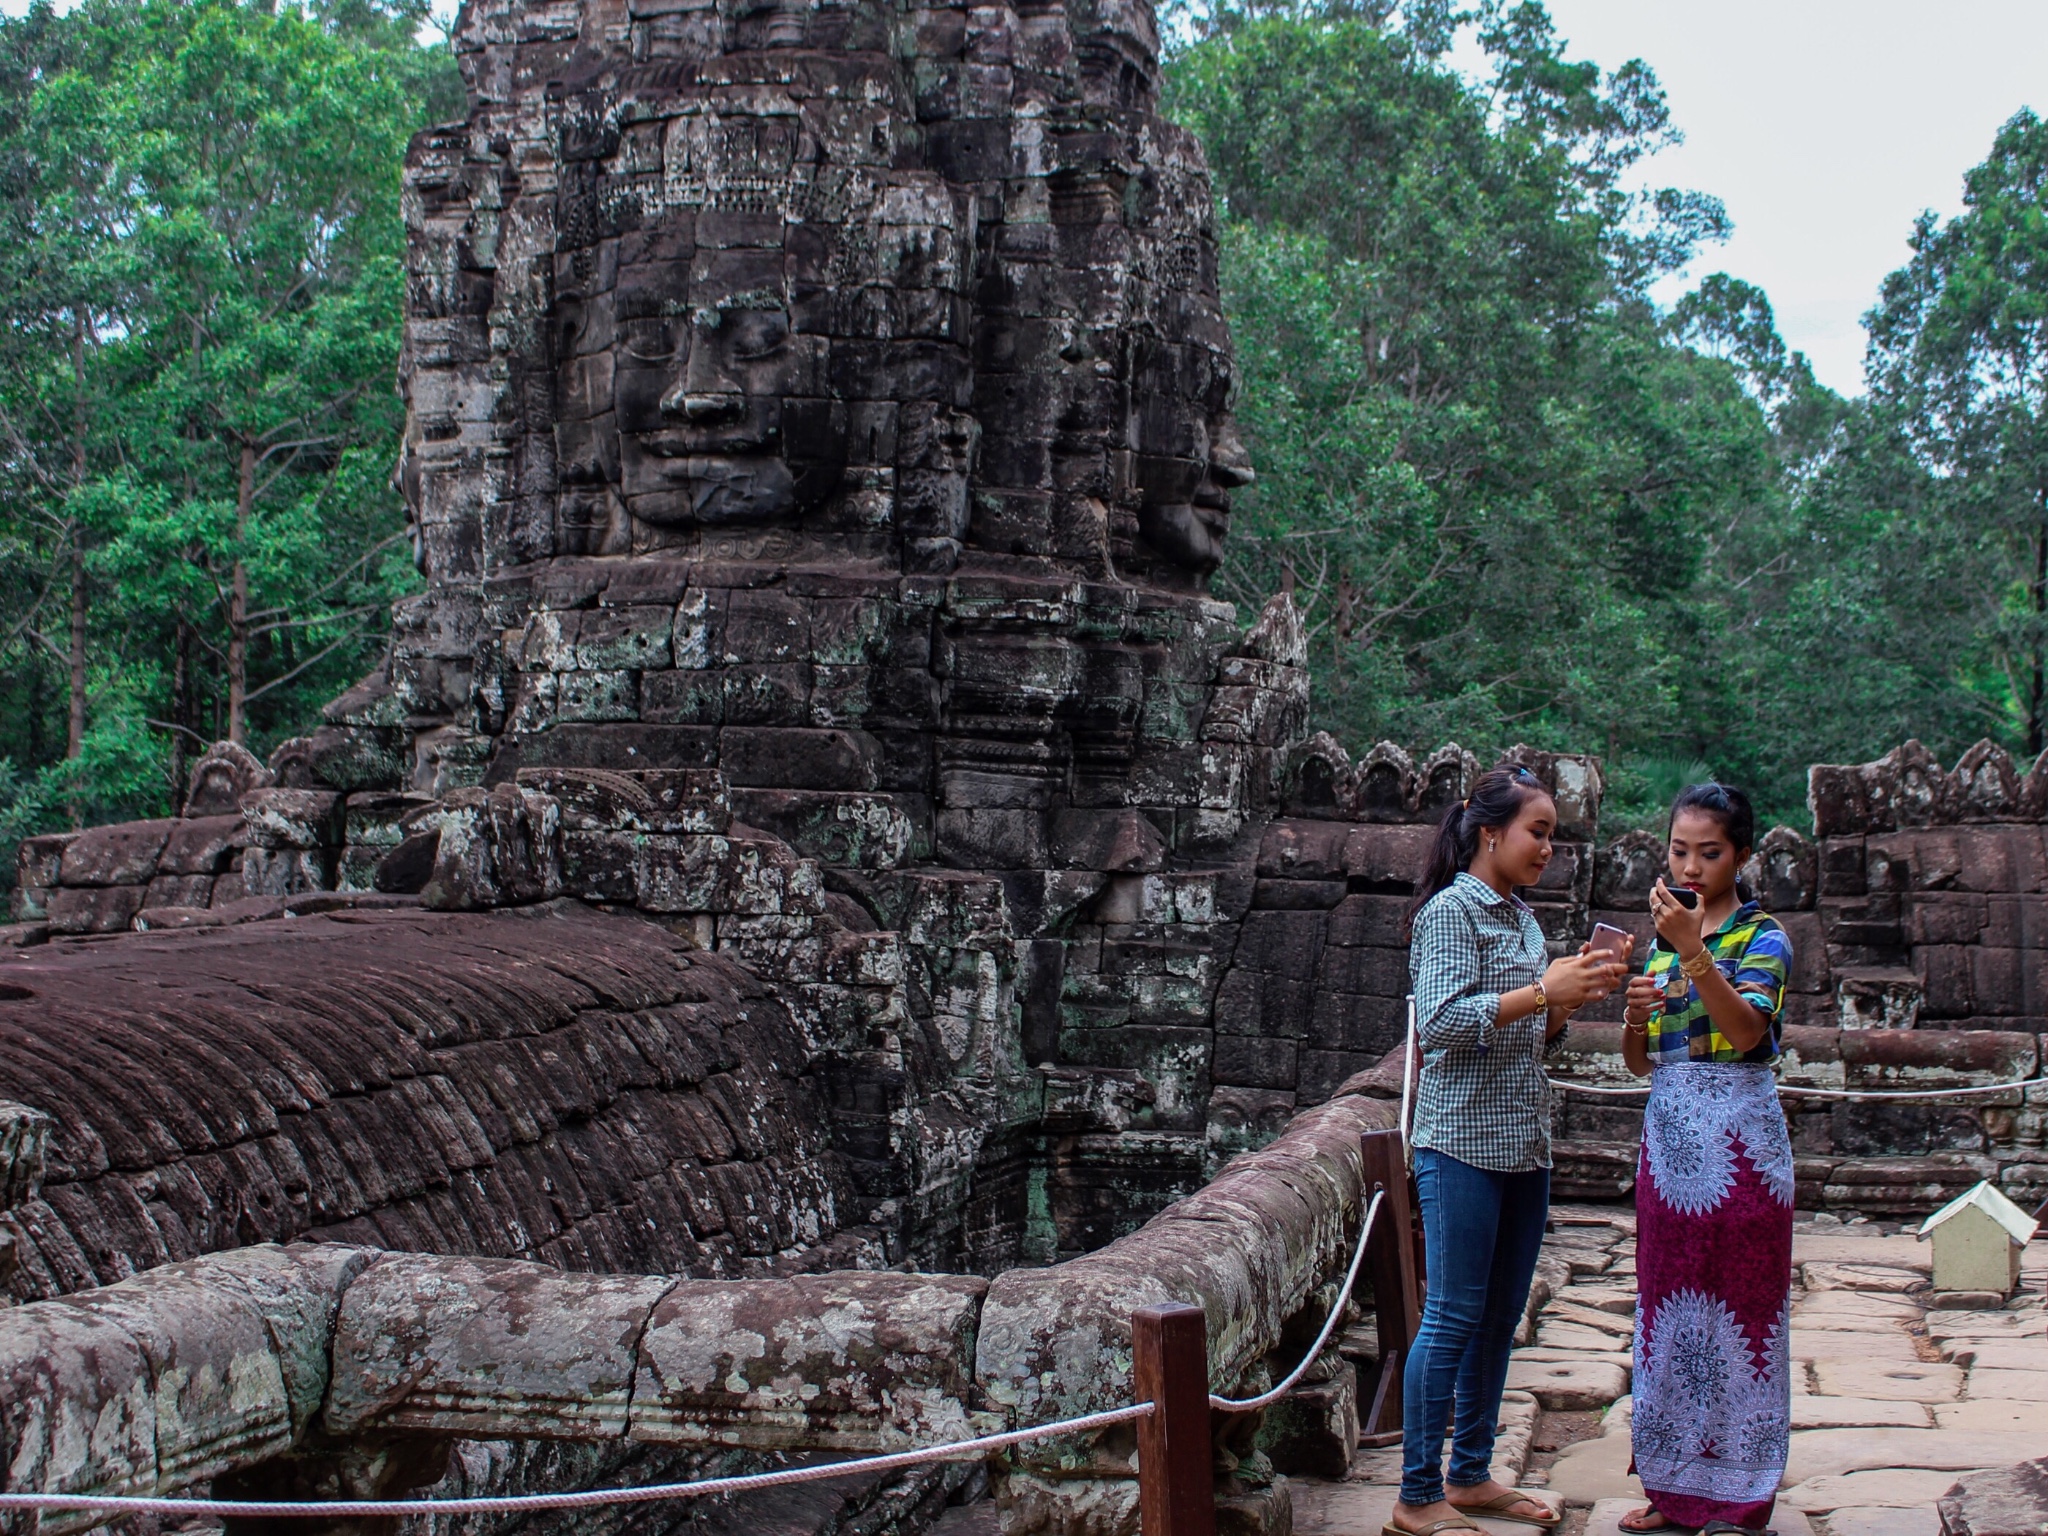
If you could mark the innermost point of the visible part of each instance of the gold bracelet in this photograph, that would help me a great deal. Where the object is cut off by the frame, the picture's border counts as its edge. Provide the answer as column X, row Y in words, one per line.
column 1542, row 997
column 1698, row 965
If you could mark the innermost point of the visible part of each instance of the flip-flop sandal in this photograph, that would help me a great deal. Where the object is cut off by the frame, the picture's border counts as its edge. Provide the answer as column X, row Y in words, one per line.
column 1663, row 1523
column 1434, row 1528
column 1498, row 1507
column 1730, row 1528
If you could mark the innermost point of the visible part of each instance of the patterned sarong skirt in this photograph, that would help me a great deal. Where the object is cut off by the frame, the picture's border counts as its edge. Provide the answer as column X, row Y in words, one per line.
column 1713, row 1388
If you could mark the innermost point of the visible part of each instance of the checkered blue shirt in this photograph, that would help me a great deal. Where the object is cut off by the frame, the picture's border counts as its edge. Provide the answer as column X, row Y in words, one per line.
column 1482, row 1097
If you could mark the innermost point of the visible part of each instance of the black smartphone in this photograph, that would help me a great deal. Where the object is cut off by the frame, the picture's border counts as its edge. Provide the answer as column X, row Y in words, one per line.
column 1684, row 896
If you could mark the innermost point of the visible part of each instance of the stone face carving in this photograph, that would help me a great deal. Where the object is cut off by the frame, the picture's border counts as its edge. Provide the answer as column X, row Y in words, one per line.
column 813, row 279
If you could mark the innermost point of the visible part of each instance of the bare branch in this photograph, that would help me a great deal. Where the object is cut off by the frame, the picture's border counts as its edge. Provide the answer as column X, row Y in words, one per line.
column 311, row 661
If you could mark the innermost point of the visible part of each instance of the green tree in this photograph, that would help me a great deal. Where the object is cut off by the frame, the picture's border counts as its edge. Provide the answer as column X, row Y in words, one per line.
column 202, row 412
column 1958, row 366
column 1482, row 459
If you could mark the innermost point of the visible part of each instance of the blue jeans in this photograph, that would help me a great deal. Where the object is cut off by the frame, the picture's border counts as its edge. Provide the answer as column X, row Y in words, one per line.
column 1481, row 1231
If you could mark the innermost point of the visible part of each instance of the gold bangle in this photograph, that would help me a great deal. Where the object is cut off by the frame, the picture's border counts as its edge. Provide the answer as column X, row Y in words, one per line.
column 1698, row 965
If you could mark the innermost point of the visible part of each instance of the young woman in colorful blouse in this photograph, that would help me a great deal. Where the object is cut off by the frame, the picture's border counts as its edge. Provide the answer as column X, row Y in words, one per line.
column 1488, row 1000
column 1712, row 1387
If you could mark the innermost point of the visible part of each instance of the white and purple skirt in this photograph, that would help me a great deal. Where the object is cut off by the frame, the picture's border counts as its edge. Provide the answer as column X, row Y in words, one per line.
column 1713, row 1383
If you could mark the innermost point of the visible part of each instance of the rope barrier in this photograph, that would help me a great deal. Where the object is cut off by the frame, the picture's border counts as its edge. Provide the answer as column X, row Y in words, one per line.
column 1272, row 1394
column 1794, row 1092
column 1408, row 1086
column 1785, row 1091
column 251, row 1509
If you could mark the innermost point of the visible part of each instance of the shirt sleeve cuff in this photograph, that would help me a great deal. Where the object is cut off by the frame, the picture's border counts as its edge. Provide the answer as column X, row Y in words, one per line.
column 1489, row 1019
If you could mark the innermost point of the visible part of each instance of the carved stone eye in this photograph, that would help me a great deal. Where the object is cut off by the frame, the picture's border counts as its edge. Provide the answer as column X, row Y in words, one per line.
column 651, row 339
column 757, row 333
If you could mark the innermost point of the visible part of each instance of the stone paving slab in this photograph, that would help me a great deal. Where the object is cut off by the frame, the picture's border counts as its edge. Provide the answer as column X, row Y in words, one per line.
column 1827, row 1344
column 1832, row 1452
column 1877, row 1520
column 1517, row 1426
column 1574, row 1336
column 1911, row 1381
column 2019, row 1355
column 1891, row 1488
column 1620, row 1357
column 1877, row 1306
column 1839, row 1245
column 1618, row 1299
column 1814, row 1412
column 1999, row 1326
column 1821, row 1275
column 1597, row 1469
column 1562, row 1385
column 1838, row 1322
column 1916, row 1381
column 1564, row 1310
column 1992, row 1414
column 2025, row 1386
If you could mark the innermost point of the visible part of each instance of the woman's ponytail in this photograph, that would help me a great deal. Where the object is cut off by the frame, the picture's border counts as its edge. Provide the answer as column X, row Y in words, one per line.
column 1449, row 852
column 1496, row 800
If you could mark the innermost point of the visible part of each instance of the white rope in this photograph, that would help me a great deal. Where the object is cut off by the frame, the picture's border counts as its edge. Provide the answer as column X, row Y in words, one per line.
column 1408, row 1079
column 1247, row 1404
column 1792, row 1092
column 251, row 1509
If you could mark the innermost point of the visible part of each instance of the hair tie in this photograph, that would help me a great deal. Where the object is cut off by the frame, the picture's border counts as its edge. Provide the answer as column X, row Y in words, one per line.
column 1465, row 805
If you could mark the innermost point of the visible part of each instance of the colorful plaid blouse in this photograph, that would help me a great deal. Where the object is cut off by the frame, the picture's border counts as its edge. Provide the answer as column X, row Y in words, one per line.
column 1755, row 954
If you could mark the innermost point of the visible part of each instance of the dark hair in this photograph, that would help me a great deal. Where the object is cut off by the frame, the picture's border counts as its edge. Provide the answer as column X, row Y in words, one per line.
column 1726, row 804
column 1496, row 800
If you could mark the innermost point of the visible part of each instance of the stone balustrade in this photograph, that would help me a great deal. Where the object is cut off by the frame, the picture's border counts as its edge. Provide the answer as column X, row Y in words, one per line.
column 218, row 1366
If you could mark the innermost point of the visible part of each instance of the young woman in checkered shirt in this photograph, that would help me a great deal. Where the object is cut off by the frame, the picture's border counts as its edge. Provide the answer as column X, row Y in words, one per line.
column 1488, row 1000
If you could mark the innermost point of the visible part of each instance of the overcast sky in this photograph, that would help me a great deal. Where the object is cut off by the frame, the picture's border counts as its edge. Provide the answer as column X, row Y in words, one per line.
column 1826, row 126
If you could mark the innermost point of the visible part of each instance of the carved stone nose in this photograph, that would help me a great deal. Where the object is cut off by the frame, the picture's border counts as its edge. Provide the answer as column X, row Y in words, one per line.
column 702, row 409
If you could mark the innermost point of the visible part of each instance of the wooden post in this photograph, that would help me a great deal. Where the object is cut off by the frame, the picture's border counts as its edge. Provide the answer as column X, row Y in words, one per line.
column 1391, row 1260
column 1170, row 1367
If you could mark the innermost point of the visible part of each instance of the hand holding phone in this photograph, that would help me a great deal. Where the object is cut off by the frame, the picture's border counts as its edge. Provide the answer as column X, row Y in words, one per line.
column 1677, row 916
column 1615, row 943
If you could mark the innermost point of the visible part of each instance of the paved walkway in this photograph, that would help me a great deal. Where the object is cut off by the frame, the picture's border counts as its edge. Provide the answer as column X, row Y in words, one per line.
column 1893, row 1399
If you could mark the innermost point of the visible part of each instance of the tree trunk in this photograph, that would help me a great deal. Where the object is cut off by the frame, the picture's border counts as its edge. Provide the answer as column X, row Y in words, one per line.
column 2037, row 688
column 238, row 603
column 74, row 741
column 181, row 710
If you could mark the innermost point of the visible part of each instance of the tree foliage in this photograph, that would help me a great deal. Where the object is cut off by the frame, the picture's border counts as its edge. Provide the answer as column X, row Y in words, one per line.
column 1515, row 497
column 1959, row 369
column 202, row 287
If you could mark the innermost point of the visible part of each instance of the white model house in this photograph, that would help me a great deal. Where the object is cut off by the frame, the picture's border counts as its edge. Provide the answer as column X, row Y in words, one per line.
column 1977, row 1241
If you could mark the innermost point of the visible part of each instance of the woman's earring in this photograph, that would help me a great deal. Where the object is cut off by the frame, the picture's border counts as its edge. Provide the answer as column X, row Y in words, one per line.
column 1491, row 845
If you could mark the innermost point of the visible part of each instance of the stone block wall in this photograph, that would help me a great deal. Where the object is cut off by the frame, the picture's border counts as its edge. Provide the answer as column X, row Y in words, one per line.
column 1917, row 909
column 1317, row 986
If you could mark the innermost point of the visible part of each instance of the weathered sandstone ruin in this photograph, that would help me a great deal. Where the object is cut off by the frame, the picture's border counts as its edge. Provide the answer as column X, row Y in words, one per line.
column 814, row 821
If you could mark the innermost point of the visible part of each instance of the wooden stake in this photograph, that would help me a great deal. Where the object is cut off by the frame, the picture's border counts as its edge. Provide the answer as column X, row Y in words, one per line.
column 1170, row 1366
column 1393, row 1263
